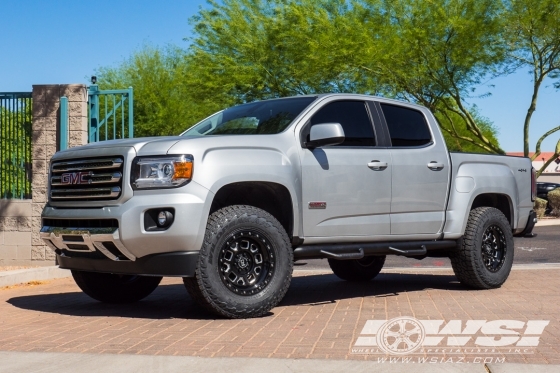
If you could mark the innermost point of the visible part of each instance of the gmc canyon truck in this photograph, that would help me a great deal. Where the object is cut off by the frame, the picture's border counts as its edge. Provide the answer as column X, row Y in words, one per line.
column 231, row 203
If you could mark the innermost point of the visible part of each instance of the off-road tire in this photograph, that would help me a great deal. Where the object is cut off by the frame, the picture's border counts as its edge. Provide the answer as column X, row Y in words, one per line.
column 236, row 239
column 363, row 269
column 111, row 288
column 470, row 261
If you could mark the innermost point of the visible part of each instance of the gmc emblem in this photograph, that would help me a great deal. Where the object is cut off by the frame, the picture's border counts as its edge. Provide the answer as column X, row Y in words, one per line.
column 75, row 178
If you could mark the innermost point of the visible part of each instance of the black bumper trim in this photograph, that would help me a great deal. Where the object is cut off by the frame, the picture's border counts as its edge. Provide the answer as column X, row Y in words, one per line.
column 176, row 264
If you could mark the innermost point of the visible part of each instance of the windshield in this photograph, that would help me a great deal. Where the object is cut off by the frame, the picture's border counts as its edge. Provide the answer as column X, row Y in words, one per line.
column 257, row 118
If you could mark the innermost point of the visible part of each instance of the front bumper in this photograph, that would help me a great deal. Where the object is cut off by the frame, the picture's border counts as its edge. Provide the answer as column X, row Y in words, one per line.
column 85, row 232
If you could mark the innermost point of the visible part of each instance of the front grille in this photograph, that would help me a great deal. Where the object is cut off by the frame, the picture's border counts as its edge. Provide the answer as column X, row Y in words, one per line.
column 91, row 179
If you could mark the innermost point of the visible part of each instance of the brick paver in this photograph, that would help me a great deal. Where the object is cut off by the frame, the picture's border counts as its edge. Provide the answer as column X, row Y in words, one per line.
column 320, row 317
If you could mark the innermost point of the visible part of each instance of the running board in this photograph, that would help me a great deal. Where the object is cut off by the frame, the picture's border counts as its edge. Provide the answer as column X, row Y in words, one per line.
column 412, row 252
column 345, row 256
column 355, row 250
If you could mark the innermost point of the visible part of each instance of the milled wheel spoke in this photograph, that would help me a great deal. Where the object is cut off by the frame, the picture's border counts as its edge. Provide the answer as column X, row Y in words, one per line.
column 244, row 245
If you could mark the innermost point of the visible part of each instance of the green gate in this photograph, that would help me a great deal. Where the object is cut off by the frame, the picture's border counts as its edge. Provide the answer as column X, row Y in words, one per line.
column 15, row 145
column 111, row 113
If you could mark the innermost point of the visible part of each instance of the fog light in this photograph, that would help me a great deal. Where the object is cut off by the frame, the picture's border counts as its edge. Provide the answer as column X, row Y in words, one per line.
column 159, row 219
column 162, row 218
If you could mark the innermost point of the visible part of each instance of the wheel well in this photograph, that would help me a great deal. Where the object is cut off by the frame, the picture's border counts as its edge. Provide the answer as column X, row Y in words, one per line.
column 499, row 201
column 271, row 197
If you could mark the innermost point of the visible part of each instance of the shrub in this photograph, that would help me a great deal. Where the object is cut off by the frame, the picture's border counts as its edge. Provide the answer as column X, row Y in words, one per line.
column 554, row 201
column 540, row 207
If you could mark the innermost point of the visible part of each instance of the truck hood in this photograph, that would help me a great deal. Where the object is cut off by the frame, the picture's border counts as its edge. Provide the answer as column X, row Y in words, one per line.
column 142, row 145
column 196, row 146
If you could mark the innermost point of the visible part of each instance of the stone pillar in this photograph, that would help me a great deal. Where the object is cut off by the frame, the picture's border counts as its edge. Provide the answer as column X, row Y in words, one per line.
column 45, row 142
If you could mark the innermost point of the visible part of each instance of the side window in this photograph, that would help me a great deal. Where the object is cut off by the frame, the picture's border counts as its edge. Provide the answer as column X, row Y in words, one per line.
column 407, row 127
column 354, row 119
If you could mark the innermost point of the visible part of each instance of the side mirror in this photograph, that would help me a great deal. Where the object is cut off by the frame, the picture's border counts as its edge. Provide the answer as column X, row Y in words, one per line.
column 325, row 134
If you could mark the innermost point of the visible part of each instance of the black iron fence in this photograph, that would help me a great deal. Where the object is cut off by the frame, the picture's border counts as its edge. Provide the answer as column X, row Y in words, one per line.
column 15, row 145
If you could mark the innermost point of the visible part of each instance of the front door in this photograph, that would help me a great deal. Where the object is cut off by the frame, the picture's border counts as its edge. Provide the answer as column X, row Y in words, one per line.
column 346, row 188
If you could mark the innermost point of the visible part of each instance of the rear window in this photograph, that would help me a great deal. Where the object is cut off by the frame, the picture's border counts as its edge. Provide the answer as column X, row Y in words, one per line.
column 407, row 127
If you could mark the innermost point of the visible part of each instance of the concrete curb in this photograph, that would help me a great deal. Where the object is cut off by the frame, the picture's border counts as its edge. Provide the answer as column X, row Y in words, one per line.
column 72, row 362
column 21, row 276
column 13, row 361
column 522, row 368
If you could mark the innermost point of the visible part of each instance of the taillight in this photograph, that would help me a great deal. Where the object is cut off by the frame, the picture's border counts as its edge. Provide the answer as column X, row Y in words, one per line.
column 533, row 184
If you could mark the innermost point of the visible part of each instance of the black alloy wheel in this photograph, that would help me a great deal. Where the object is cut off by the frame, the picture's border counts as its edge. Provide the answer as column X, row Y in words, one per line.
column 494, row 248
column 247, row 262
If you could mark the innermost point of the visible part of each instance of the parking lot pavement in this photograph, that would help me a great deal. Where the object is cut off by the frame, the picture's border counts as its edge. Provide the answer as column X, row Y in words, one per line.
column 321, row 317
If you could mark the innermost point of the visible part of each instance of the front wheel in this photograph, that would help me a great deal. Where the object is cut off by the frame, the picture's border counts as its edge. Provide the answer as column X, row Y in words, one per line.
column 484, row 256
column 245, row 263
column 363, row 269
column 111, row 288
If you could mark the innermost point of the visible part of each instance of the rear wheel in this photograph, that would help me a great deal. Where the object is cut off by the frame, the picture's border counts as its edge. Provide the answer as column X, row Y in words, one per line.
column 245, row 263
column 363, row 269
column 484, row 256
column 111, row 288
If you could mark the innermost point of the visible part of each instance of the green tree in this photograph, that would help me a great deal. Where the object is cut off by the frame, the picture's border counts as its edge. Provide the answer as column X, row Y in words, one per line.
column 15, row 149
column 437, row 54
column 534, row 42
column 458, row 138
column 163, row 104
column 257, row 49
column 433, row 53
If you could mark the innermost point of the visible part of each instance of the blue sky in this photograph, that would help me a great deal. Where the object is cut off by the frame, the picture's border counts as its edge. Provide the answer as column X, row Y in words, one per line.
column 63, row 41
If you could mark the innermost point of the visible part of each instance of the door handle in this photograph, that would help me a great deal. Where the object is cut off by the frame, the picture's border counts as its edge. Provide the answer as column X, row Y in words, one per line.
column 377, row 165
column 435, row 166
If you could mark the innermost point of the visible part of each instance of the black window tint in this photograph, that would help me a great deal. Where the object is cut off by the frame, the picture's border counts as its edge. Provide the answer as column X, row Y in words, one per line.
column 354, row 119
column 407, row 127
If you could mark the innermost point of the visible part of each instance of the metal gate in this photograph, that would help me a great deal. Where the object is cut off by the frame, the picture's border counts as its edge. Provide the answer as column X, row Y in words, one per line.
column 111, row 114
column 15, row 145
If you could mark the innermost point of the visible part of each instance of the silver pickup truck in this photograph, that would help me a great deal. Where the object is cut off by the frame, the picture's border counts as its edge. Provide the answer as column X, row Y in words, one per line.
column 231, row 203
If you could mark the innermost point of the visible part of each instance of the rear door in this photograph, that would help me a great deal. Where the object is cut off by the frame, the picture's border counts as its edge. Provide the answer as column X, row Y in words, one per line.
column 421, row 170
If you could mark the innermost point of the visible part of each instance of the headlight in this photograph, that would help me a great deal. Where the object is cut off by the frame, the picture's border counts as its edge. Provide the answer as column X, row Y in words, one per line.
column 161, row 172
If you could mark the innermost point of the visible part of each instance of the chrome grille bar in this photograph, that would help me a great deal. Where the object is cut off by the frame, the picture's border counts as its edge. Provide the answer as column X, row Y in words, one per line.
column 87, row 164
column 86, row 193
